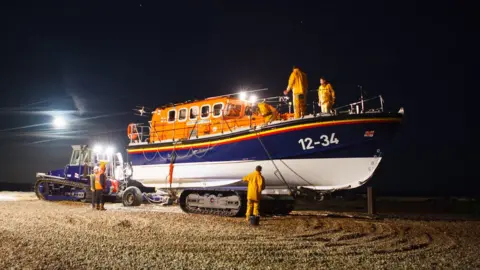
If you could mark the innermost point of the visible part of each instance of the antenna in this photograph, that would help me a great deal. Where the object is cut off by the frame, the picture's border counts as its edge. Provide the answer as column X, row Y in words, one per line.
column 140, row 111
column 361, row 96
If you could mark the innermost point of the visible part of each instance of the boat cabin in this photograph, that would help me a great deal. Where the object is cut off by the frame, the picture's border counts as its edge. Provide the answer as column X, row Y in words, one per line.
column 216, row 116
column 206, row 117
column 191, row 120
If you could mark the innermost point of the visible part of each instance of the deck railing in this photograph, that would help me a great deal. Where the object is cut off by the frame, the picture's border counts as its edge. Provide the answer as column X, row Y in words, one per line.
column 359, row 106
column 225, row 125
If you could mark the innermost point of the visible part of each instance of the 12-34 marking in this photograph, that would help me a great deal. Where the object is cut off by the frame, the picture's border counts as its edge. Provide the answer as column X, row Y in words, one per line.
column 308, row 143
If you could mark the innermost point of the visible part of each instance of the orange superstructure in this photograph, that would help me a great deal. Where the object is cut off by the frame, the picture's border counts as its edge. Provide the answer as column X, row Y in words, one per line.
column 210, row 116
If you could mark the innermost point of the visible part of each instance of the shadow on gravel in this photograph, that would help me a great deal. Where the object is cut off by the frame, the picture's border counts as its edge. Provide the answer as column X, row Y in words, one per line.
column 447, row 209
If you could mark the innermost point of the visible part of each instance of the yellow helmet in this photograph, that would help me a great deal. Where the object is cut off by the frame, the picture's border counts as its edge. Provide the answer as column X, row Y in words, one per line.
column 103, row 165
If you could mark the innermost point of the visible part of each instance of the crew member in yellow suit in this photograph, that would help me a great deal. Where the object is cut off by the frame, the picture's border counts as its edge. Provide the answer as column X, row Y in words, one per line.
column 267, row 111
column 100, row 183
column 326, row 96
column 298, row 82
column 256, row 183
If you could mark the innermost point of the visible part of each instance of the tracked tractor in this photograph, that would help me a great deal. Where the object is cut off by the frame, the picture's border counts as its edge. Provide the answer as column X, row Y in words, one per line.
column 72, row 183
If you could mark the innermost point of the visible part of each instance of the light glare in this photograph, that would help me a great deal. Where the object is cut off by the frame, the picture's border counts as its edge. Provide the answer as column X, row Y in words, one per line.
column 110, row 150
column 59, row 122
column 253, row 99
column 97, row 149
column 243, row 96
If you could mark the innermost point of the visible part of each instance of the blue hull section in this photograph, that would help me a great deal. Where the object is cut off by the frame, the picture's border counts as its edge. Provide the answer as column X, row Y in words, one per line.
column 301, row 141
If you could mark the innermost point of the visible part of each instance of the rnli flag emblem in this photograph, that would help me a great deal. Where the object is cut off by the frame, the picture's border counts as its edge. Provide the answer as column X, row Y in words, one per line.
column 369, row 133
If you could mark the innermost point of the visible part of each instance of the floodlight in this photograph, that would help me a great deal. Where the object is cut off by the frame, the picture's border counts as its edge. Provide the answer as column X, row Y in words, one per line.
column 243, row 96
column 97, row 149
column 110, row 150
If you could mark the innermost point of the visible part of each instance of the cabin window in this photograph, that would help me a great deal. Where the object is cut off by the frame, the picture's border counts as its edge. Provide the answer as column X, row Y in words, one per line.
column 171, row 116
column 233, row 110
column 217, row 109
column 75, row 160
column 205, row 111
column 194, row 112
column 182, row 114
column 87, row 158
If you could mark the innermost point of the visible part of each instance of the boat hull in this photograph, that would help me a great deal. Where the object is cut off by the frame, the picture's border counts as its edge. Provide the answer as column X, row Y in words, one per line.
column 317, row 153
column 315, row 173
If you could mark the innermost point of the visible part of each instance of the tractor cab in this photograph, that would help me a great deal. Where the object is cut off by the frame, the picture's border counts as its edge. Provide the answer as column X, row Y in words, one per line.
column 83, row 160
column 80, row 165
column 73, row 181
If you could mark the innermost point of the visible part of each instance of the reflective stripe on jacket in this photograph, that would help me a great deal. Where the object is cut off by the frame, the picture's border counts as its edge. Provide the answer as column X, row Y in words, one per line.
column 92, row 180
column 99, row 181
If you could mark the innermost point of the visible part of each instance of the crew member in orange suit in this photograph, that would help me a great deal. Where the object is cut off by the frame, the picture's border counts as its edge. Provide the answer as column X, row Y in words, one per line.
column 100, row 184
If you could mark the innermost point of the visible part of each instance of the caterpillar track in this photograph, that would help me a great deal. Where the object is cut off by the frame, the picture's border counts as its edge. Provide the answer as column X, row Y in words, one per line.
column 60, row 189
column 213, row 202
column 231, row 203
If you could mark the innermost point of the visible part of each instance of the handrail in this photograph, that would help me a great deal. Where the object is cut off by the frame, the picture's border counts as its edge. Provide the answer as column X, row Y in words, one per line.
column 139, row 129
column 362, row 101
column 236, row 122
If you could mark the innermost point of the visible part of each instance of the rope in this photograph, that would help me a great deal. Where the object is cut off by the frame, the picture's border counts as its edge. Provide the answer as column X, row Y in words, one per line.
column 174, row 151
column 208, row 150
column 283, row 179
column 270, row 157
column 296, row 173
column 143, row 152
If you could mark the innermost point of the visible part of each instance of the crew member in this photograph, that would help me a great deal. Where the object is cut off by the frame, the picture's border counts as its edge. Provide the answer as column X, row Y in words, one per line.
column 100, row 182
column 298, row 82
column 92, row 185
column 267, row 111
column 256, row 183
column 326, row 96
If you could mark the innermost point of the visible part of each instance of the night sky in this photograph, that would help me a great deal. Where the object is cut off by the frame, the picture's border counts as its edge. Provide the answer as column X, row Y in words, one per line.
column 102, row 58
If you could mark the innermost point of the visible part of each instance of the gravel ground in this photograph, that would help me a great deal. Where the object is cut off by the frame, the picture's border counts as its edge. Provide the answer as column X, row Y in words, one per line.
column 63, row 235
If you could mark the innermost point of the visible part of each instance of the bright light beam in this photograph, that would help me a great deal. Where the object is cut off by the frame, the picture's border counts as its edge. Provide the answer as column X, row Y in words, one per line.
column 30, row 104
column 89, row 135
column 74, row 120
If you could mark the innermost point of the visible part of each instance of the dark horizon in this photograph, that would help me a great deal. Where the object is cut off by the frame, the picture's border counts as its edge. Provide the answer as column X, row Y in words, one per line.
column 97, row 59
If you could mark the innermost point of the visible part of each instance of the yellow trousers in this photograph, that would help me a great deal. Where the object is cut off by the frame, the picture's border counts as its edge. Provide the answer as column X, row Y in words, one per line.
column 299, row 105
column 326, row 107
column 269, row 117
column 252, row 205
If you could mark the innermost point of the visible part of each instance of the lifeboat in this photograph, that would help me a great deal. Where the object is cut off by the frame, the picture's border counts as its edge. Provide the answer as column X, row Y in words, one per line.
column 211, row 144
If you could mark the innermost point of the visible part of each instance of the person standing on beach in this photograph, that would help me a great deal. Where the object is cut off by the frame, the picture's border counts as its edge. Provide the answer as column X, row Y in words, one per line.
column 256, row 183
column 100, row 183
